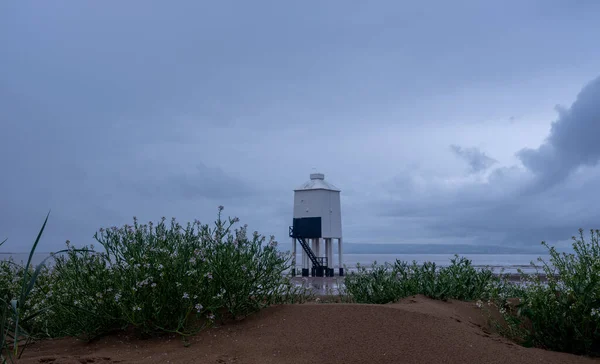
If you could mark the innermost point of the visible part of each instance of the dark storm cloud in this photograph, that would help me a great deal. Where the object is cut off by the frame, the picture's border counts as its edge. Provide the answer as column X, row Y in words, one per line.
column 516, row 206
column 484, row 216
column 573, row 141
column 478, row 161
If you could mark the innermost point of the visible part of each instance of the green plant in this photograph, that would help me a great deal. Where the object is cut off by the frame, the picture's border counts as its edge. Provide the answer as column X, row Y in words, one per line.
column 157, row 278
column 391, row 282
column 563, row 312
column 379, row 284
column 16, row 313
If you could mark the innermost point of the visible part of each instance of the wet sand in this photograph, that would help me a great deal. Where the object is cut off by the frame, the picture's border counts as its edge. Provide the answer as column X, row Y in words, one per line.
column 320, row 285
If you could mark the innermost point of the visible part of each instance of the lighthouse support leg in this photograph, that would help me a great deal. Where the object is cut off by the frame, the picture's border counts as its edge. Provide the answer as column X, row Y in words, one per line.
column 313, row 268
column 326, row 251
column 304, row 264
column 330, row 258
column 340, row 255
column 293, row 257
column 319, row 270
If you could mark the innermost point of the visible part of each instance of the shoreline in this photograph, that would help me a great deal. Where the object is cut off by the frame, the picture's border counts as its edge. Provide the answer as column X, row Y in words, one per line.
column 331, row 285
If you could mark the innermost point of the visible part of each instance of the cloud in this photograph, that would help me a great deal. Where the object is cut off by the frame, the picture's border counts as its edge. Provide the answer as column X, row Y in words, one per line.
column 495, row 212
column 234, row 106
column 572, row 142
column 205, row 182
column 549, row 197
column 478, row 161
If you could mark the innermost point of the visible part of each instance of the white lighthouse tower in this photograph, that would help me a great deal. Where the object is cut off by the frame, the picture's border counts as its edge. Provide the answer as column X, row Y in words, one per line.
column 317, row 219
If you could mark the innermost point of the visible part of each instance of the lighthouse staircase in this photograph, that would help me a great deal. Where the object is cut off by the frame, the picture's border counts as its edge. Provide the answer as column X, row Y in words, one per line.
column 319, row 263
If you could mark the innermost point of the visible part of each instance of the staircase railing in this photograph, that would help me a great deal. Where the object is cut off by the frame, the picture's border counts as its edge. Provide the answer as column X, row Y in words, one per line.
column 316, row 261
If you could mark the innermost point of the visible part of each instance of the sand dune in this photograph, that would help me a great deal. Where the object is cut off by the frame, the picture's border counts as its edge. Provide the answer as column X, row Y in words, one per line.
column 416, row 330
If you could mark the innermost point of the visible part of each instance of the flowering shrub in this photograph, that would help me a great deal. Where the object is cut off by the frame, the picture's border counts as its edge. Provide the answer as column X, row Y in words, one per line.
column 161, row 278
column 562, row 313
column 390, row 282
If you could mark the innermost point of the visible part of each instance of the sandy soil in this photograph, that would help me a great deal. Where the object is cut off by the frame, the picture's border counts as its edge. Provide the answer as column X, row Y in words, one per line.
column 416, row 330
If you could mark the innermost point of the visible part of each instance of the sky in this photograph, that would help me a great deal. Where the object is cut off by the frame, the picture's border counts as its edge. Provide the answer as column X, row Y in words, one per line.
column 463, row 122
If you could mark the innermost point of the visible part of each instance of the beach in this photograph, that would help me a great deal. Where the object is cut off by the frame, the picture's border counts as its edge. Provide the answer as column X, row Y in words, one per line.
column 413, row 331
column 322, row 327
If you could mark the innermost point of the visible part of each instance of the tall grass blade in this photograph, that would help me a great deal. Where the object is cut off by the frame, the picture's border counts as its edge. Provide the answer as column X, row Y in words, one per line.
column 38, row 269
column 4, row 334
column 25, row 286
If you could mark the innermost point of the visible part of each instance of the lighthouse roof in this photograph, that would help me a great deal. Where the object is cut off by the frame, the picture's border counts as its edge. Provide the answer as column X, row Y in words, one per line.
column 317, row 182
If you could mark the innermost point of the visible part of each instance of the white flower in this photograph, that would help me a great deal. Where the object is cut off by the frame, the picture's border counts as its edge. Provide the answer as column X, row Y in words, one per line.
column 137, row 308
column 198, row 307
column 117, row 297
column 185, row 295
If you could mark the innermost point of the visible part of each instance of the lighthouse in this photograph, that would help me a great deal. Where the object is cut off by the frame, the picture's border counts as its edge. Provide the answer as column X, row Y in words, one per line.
column 317, row 222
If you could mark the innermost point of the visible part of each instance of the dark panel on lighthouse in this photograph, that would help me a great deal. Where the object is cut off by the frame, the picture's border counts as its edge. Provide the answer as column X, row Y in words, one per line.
column 307, row 227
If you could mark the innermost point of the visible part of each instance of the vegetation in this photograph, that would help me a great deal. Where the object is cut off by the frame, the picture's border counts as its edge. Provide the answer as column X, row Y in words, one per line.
column 150, row 278
column 560, row 313
column 563, row 313
column 16, row 292
column 390, row 282
column 167, row 278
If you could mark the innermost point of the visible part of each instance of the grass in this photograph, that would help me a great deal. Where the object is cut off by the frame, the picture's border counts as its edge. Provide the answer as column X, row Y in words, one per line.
column 16, row 291
column 165, row 277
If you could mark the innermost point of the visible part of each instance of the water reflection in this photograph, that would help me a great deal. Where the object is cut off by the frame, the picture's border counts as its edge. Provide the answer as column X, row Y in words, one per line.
column 320, row 285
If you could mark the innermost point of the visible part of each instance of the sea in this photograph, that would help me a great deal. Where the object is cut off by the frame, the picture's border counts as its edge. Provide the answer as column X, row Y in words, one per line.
column 510, row 263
